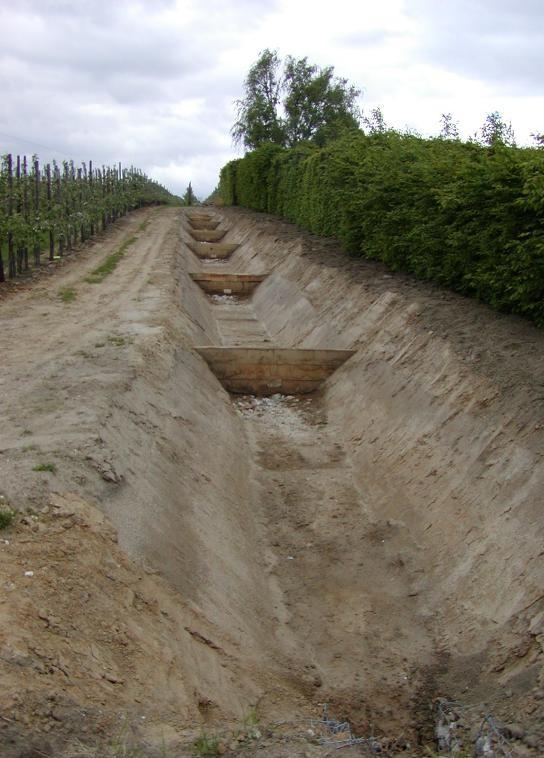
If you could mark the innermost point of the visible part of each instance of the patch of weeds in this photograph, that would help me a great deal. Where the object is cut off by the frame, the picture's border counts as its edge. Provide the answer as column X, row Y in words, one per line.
column 109, row 265
column 28, row 448
column 26, row 432
column 45, row 467
column 67, row 295
column 206, row 746
column 117, row 341
column 143, row 226
column 7, row 515
column 251, row 718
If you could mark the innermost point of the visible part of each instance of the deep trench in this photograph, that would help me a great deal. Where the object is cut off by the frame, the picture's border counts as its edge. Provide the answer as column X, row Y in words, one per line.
column 342, row 544
column 334, row 567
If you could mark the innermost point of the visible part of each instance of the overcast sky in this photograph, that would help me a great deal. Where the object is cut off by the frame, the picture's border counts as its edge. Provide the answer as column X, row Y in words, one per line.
column 153, row 82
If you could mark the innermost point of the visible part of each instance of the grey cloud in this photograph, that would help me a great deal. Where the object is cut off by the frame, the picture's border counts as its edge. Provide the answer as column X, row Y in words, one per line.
column 76, row 87
column 366, row 38
column 494, row 40
column 101, row 10
column 124, row 46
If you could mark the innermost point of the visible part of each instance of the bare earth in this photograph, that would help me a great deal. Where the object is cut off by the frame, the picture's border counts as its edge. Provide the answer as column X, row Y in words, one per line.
column 195, row 562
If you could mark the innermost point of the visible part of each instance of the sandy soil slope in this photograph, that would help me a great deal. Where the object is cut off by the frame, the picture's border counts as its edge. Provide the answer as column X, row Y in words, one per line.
column 203, row 562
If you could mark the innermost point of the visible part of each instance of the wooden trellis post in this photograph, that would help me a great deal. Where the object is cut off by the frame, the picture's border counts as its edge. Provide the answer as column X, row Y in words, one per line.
column 50, row 213
column 37, row 247
column 12, row 265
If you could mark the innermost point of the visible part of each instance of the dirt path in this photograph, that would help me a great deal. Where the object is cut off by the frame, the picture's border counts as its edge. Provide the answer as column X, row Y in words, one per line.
column 65, row 359
column 267, row 555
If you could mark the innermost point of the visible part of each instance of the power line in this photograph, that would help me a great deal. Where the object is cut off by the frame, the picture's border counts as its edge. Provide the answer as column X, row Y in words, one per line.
column 55, row 150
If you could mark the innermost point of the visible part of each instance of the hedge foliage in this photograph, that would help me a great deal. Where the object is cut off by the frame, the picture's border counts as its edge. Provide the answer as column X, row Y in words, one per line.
column 468, row 217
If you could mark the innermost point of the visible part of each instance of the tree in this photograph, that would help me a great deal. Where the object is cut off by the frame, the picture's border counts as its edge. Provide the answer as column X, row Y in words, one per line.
column 449, row 128
column 317, row 104
column 374, row 123
column 298, row 101
column 496, row 131
column 189, row 198
column 257, row 113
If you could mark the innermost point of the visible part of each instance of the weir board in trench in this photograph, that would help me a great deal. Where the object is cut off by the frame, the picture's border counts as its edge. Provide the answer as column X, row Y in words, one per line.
column 269, row 370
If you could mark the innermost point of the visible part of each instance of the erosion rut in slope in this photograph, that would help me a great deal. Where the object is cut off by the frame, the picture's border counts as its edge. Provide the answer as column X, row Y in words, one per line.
column 371, row 545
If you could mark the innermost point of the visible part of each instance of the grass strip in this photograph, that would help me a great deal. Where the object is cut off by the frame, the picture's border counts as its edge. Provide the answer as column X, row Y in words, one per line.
column 67, row 295
column 109, row 265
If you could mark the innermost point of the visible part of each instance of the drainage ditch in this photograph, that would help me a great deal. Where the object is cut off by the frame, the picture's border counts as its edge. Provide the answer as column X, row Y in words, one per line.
column 326, row 558
column 368, row 605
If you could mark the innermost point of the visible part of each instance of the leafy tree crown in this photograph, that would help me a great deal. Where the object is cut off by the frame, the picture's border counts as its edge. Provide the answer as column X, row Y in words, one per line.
column 294, row 101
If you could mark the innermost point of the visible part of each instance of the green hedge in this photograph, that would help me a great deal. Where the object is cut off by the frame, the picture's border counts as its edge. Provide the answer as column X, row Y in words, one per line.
column 466, row 216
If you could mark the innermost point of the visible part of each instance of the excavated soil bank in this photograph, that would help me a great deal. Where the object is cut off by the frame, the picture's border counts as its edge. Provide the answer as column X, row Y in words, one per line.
column 375, row 545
